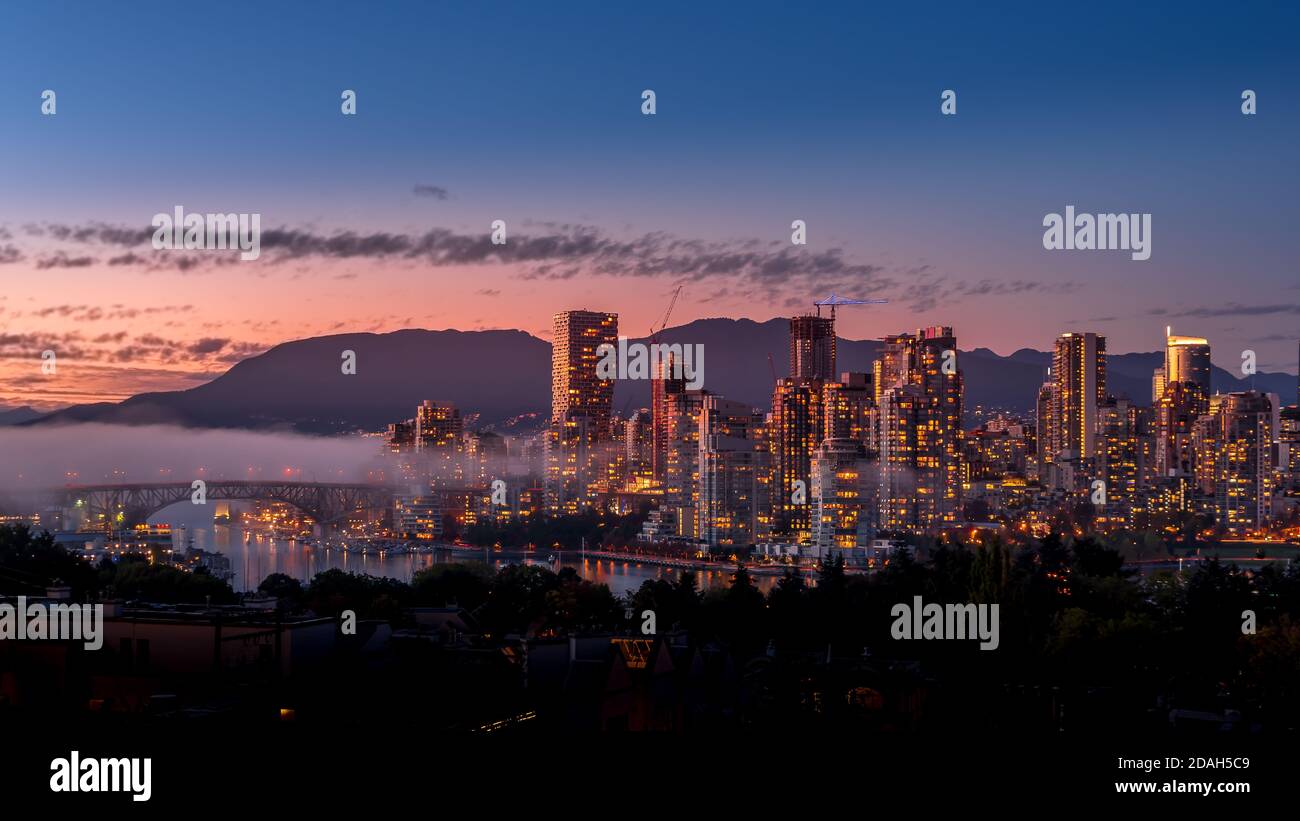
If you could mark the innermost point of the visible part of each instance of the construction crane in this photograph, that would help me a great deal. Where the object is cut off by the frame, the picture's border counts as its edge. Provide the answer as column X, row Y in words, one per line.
column 663, row 323
column 834, row 300
column 654, row 337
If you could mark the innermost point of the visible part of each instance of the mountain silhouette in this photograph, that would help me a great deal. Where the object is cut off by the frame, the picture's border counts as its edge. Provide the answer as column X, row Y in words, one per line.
column 504, row 374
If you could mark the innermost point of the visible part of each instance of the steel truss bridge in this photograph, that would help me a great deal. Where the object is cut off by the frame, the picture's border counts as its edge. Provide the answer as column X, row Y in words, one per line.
column 327, row 503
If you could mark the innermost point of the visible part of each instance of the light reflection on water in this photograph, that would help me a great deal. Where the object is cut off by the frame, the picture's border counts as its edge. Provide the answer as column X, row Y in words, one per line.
column 255, row 558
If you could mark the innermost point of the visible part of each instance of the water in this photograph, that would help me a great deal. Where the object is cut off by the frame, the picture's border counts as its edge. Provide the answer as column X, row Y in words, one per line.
column 259, row 556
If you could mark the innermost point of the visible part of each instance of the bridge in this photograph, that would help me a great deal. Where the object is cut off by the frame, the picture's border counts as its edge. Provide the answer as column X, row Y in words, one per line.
column 327, row 503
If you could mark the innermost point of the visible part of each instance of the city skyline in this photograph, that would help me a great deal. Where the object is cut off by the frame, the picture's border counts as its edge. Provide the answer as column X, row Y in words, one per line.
column 925, row 377
column 381, row 221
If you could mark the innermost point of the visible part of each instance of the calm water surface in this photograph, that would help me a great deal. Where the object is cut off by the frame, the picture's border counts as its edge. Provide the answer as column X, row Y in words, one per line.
column 258, row 556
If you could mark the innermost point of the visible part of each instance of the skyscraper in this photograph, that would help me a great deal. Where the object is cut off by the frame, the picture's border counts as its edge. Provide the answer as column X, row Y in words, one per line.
column 664, row 390
column 638, row 444
column 682, row 463
column 1046, row 428
column 1079, row 367
column 579, row 440
column 850, row 407
column 812, row 347
column 1124, row 455
column 1187, row 359
column 575, row 388
column 920, row 434
column 844, row 499
column 1243, row 467
column 1175, row 414
column 732, row 460
column 794, row 433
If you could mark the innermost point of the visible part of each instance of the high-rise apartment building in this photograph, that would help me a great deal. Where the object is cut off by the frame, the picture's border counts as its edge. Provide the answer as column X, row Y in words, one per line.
column 638, row 446
column 812, row 347
column 795, row 431
column 1175, row 414
column 850, row 406
column 1079, row 370
column 1124, row 454
column 733, row 459
column 920, row 430
column 1046, row 428
column 664, row 390
column 844, row 503
column 575, row 388
column 579, row 442
column 1243, row 465
column 682, row 463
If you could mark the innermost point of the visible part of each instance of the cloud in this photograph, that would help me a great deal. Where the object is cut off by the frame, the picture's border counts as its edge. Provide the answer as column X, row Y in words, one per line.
column 1236, row 309
column 764, row 271
column 207, row 345
column 431, row 191
column 62, row 260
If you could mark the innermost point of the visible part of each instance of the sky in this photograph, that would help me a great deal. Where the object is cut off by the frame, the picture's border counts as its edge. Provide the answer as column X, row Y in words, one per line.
column 531, row 113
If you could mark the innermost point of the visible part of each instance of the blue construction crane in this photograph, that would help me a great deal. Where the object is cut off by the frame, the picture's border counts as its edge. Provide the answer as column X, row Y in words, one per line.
column 834, row 300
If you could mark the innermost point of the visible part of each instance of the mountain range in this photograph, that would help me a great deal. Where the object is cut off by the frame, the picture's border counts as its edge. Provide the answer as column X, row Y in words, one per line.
column 503, row 375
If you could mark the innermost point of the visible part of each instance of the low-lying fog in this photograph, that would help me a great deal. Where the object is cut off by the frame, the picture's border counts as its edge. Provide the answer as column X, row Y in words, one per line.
column 48, row 457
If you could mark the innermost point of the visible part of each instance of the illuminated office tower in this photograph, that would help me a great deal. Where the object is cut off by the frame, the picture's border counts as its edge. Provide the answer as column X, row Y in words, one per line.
column 732, row 460
column 1079, row 364
column 1176, row 412
column 579, row 440
column 1243, row 467
column 1124, row 458
column 844, row 482
column 812, row 347
column 1187, row 359
column 664, row 390
column 920, row 435
column 850, row 406
column 794, row 433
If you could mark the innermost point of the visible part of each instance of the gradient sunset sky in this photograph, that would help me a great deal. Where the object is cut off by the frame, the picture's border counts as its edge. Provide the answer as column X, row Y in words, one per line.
column 531, row 113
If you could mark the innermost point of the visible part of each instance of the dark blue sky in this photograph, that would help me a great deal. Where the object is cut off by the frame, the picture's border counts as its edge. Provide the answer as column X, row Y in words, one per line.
column 766, row 113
